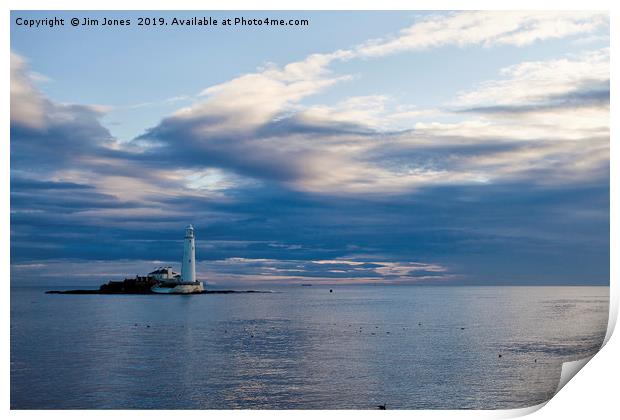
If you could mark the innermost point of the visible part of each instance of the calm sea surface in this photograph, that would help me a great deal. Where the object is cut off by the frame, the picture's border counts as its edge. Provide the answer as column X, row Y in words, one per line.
column 303, row 347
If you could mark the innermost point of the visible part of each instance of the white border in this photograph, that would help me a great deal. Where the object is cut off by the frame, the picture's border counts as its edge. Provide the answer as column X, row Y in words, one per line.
column 593, row 394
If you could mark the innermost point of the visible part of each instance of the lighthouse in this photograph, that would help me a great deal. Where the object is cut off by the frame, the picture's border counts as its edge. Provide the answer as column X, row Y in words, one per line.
column 172, row 283
column 188, row 268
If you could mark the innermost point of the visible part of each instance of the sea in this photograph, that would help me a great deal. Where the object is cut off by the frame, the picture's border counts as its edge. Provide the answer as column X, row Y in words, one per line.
column 318, row 347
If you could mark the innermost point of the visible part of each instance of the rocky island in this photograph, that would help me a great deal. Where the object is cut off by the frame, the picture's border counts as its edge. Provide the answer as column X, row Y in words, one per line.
column 160, row 281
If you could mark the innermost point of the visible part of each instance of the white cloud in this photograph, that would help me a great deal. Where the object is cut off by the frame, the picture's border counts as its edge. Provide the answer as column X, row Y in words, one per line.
column 370, row 111
column 27, row 104
column 535, row 81
column 485, row 28
column 253, row 99
column 366, row 110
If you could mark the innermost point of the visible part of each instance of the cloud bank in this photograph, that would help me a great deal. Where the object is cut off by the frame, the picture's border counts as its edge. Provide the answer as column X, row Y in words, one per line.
column 505, row 183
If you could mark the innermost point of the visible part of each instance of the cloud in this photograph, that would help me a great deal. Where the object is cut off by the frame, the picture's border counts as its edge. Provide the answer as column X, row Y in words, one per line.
column 485, row 28
column 566, row 82
column 253, row 99
column 255, row 125
column 66, row 144
column 27, row 104
column 510, row 234
column 48, row 136
column 546, row 117
column 596, row 97
column 509, row 177
column 239, row 270
column 341, row 271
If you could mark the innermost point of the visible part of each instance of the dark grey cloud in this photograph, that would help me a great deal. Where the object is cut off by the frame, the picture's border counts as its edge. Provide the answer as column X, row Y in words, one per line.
column 72, row 132
column 263, row 153
column 509, row 233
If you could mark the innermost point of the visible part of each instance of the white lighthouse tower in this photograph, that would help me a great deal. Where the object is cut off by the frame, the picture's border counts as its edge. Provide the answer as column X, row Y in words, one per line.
column 187, row 284
column 188, row 268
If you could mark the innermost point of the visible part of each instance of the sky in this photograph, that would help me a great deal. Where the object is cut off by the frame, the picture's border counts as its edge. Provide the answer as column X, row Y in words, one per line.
column 441, row 148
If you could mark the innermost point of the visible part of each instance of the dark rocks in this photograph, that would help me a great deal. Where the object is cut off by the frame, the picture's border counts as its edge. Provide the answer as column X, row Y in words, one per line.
column 139, row 287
